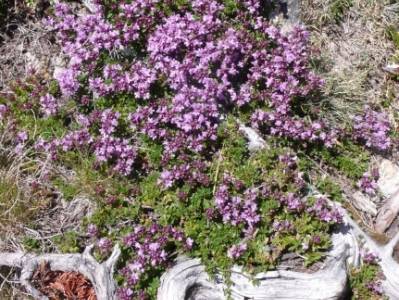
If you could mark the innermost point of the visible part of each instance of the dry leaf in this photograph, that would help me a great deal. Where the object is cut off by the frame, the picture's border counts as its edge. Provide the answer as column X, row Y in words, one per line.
column 57, row 285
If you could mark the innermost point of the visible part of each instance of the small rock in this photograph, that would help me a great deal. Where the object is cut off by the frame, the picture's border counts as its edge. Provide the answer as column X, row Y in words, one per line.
column 255, row 141
column 388, row 183
column 289, row 17
column 294, row 11
column 364, row 203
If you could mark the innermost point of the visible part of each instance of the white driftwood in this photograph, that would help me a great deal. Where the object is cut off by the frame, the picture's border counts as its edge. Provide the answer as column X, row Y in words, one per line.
column 100, row 275
column 388, row 184
column 387, row 214
column 364, row 203
column 389, row 266
column 188, row 276
column 188, row 280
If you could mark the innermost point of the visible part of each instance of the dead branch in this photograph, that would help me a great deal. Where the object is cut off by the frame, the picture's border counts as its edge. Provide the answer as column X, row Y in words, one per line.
column 99, row 274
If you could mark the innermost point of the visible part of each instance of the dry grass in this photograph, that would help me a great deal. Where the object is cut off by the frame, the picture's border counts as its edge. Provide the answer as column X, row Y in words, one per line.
column 354, row 51
column 20, row 206
column 30, row 50
column 21, row 202
column 30, row 208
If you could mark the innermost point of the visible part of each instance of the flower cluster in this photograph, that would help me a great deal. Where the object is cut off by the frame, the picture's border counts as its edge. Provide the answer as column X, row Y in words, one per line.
column 68, row 81
column 21, row 139
column 237, row 208
column 49, row 105
column 71, row 141
column 110, row 148
column 294, row 128
column 92, row 230
column 149, row 246
column 105, row 245
column 106, row 146
column 137, row 81
column 325, row 212
column 282, row 225
column 373, row 129
column 205, row 65
column 292, row 202
column 289, row 160
column 369, row 257
column 375, row 287
column 237, row 250
column 191, row 172
column 368, row 182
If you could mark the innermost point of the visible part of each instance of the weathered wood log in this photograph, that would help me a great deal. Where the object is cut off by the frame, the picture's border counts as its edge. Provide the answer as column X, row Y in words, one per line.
column 388, row 184
column 188, row 280
column 100, row 275
column 387, row 213
column 364, row 203
column 388, row 264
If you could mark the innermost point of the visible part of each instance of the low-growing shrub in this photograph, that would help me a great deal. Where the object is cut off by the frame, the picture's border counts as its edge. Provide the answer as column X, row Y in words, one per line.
column 145, row 116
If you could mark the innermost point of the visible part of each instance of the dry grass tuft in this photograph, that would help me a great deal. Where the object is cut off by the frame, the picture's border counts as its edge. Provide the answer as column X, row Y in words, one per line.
column 28, row 51
column 22, row 199
column 354, row 49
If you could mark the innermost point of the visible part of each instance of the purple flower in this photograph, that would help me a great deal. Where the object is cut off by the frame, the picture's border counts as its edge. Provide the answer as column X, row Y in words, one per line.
column 368, row 182
column 149, row 245
column 375, row 287
column 105, row 245
column 92, row 230
column 68, row 81
column 189, row 243
column 326, row 213
column 237, row 209
column 22, row 137
column 237, row 251
column 293, row 202
column 373, row 129
column 316, row 240
column 283, row 225
column 3, row 111
column 369, row 257
column 49, row 105
column 125, row 294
